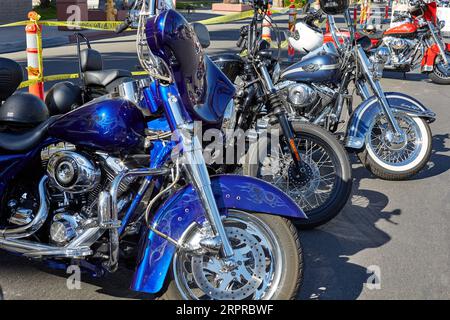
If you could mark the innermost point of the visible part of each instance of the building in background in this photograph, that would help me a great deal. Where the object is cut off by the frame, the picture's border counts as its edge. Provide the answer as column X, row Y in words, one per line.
column 12, row 11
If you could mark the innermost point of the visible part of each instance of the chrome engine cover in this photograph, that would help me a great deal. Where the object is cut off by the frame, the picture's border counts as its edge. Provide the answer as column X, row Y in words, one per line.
column 302, row 95
column 72, row 172
column 64, row 228
column 401, row 50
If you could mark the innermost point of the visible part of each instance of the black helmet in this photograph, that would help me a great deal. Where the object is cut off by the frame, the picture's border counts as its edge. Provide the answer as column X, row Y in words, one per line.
column 23, row 109
column 63, row 97
column 333, row 6
column 11, row 75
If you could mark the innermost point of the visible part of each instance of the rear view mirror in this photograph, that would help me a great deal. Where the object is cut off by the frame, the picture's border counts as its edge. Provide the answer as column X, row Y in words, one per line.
column 202, row 34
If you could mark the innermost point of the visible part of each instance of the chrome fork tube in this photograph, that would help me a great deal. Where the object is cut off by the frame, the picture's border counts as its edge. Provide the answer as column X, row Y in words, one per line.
column 363, row 89
column 195, row 165
column 379, row 93
column 438, row 42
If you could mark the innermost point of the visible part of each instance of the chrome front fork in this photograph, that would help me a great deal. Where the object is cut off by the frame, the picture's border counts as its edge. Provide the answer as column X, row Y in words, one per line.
column 438, row 43
column 379, row 93
column 195, row 166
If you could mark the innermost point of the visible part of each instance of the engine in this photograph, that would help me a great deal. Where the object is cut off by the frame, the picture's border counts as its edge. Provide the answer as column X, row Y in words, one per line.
column 401, row 50
column 73, row 173
column 305, row 99
column 76, row 180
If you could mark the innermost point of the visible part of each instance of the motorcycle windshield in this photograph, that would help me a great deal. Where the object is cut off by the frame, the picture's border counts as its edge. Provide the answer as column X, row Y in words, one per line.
column 205, row 91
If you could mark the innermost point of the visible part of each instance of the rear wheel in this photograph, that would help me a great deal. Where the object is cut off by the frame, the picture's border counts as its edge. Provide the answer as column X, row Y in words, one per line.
column 441, row 73
column 325, row 188
column 268, row 263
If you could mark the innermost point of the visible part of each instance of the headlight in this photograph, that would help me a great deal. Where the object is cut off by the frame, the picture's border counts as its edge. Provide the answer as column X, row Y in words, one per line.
column 441, row 24
column 276, row 72
column 378, row 60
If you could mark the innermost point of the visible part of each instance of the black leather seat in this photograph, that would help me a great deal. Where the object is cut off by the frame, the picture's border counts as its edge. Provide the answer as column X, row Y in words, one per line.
column 25, row 141
column 377, row 35
column 103, row 78
column 94, row 75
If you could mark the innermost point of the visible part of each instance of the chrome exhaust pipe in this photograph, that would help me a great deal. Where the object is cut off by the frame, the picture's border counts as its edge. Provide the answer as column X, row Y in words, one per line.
column 38, row 250
column 30, row 228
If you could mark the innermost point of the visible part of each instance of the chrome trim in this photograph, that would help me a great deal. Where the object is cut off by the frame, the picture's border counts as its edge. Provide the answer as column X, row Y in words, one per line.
column 113, row 262
column 29, row 229
column 438, row 43
column 321, row 68
column 379, row 93
column 195, row 166
column 86, row 175
column 38, row 250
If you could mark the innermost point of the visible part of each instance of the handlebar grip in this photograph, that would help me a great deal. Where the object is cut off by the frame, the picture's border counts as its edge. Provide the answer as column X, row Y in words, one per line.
column 124, row 26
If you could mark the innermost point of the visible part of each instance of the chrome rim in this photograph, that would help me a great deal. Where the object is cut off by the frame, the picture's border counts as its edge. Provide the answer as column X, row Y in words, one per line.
column 440, row 68
column 380, row 145
column 259, row 263
column 321, row 169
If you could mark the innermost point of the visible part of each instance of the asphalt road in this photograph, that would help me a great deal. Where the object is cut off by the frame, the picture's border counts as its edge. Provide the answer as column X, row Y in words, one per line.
column 401, row 229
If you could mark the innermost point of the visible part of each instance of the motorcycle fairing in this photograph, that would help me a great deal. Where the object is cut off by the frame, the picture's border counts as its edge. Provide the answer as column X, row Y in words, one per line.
column 204, row 90
column 360, row 120
column 184, row 208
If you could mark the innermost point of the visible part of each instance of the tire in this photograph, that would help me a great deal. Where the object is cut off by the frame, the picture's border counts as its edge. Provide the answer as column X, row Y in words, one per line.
column 389, row 172
column 290, row 277
column 437, row 76
column 343, row 178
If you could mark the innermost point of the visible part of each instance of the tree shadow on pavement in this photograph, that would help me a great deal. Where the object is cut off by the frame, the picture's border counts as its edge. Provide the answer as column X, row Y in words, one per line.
column 329, row 273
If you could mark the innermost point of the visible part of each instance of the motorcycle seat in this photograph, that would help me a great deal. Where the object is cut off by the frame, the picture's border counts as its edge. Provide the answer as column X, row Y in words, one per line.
column 25, row 141
column 377, row 35
column 103, row 78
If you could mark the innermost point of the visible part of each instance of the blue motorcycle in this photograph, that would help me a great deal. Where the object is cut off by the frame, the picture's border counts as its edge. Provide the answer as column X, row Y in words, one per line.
column 101, row 183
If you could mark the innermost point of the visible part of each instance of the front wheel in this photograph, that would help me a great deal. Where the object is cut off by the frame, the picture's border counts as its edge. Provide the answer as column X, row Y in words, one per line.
column 325, row 186
column 268, row 262
column 397, row 162
column 441, row 73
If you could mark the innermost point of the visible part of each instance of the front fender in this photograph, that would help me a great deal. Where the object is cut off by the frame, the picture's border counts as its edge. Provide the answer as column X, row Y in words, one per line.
column 184, row 208
column 362, row 117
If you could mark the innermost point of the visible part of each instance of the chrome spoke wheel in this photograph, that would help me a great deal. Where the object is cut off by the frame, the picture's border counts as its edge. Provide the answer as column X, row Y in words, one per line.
column 440, row 69
column 379, row 141
column 310, row 190
column 256, row 271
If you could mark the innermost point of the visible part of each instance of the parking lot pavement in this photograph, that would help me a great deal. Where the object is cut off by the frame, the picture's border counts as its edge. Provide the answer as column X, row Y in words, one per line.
column 400, row 230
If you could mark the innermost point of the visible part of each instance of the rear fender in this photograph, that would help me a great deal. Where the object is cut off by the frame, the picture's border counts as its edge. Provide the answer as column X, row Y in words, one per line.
column 184, row 208
column 368, row 110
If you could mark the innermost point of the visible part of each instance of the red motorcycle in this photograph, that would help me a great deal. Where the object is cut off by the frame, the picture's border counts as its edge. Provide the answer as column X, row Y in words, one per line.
column 414, row 41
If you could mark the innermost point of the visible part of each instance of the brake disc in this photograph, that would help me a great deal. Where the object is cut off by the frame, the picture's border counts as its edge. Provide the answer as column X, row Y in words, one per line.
column 238, row 283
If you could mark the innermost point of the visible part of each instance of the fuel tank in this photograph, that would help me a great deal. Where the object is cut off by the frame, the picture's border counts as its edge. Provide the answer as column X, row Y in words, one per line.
column 404, row 30
column 110, row 125
column 320, row 65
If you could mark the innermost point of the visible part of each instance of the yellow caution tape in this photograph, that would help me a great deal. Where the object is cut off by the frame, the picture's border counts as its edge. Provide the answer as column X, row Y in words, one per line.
column 112, row 25
column 67, row 76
